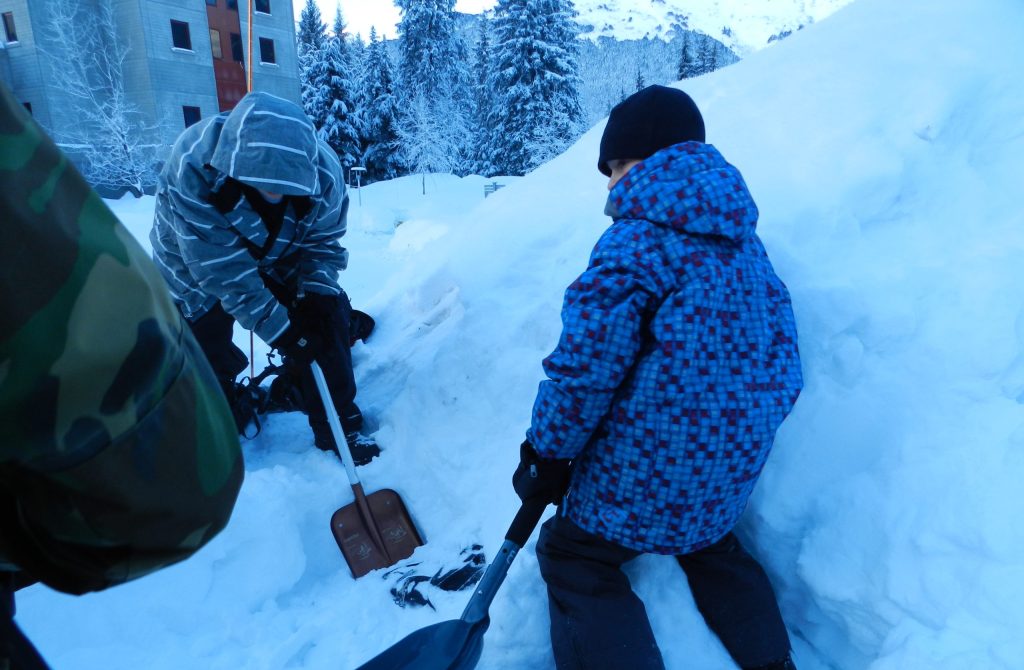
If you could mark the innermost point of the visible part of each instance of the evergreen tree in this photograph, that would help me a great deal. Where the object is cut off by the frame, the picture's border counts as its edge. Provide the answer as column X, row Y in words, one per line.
column 534, row 76
column 708, row 56
column 687, row 59
column 433, row 56
column 339, row 127
column 313, row 76
column 434, row 84
column 378, row 111
column 483, row 101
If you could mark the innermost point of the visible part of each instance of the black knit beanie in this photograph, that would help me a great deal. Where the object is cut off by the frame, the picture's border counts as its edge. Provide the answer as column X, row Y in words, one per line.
column 647, row 122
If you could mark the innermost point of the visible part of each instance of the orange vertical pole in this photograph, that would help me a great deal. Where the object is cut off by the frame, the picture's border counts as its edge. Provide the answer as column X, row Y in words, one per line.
column 248, row 87
column 249, row 79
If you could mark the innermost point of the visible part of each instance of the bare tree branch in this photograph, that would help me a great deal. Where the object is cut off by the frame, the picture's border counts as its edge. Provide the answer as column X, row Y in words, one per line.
column 86, row 60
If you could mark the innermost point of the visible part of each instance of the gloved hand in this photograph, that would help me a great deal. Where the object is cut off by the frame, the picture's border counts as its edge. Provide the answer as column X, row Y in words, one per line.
column 319, row 310
column 360, row 325
column 536, row 477
column 301, row 345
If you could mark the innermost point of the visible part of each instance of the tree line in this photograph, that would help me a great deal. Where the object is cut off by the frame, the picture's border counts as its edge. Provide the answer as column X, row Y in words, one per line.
column 432, row 102
column 495, row 94
column 501, row 106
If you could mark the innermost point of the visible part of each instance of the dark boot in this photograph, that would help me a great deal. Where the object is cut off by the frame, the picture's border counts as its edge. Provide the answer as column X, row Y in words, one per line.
column 363, row 449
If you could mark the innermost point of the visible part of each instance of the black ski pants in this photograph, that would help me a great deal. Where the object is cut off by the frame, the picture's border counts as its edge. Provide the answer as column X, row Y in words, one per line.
column 598, row 623
column 214, row 331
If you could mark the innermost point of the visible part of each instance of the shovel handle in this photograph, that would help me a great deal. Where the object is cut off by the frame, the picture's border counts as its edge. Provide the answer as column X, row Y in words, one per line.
column 518, row 533
column 335, row 423
column 526, row 520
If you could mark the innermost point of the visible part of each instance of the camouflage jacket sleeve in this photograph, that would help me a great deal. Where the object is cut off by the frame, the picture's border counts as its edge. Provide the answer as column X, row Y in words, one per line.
column 118, row 454
column 323, row 257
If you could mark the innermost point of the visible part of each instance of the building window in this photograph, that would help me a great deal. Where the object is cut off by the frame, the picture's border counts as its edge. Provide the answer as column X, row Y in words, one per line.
column 233, row 4
column 267, row 50
column 237, row 54
column 215, row 43
column 180, row 35
column 191, row 114
column 263, row 6
column 9, row 29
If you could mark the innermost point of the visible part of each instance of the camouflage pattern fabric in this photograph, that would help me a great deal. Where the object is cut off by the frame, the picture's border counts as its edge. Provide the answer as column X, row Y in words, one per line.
column 118, row 453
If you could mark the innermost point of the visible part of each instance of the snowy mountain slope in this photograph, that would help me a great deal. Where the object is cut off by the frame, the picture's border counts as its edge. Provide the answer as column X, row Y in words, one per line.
column 742, row 25
column 885, row 148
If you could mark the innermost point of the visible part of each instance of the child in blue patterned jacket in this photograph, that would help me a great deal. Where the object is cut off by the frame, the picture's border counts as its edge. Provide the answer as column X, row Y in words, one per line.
column 676, row 365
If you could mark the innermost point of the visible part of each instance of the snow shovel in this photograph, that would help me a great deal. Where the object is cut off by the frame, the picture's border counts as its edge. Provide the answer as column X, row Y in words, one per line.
column 374, row 531
column 457, row 644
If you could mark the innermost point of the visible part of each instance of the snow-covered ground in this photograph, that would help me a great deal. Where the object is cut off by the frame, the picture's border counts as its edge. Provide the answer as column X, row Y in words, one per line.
column 885, row 147
column 744, row 26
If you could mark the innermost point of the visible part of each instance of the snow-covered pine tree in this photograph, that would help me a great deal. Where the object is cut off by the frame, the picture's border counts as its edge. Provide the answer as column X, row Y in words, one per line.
column 535, row 80
column 377, row 111
column 434, row 88
column 483, row 100
column 339, row 128
column 687, row 58
column 432, row 55
column 312, row 41
column 707, row 58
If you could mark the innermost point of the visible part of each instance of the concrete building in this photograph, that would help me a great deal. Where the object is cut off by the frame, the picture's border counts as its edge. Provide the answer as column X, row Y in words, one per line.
column 185, row 58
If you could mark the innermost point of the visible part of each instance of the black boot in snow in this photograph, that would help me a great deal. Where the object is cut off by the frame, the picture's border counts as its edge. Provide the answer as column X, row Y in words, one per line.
column 363, row 449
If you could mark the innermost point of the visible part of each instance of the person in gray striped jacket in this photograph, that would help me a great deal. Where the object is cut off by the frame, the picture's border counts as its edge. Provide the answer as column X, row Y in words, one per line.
column 249, row 211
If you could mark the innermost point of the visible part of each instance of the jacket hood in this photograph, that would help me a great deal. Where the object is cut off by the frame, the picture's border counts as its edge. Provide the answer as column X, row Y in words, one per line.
column 688, row 187
column 269, row 143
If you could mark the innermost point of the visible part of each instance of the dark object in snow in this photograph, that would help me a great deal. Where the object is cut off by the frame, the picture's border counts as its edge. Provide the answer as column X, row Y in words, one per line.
column 457, row 644
column 362, row 447
column 360, row 325
column 466, row 575
column 374, row 531
column 406, row 591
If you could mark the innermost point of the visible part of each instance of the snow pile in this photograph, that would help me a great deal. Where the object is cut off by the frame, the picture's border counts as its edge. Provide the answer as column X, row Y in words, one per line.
column 885, row 148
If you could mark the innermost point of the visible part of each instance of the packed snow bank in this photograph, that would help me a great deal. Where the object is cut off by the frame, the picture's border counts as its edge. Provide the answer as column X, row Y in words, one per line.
column 886, row 150
column 885, row 147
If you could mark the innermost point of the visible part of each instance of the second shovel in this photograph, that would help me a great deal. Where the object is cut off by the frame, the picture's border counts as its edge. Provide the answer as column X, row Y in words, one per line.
column 375, row 530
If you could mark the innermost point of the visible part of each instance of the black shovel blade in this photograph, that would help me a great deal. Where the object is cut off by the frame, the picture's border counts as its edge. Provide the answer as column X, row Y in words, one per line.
column 449, row 645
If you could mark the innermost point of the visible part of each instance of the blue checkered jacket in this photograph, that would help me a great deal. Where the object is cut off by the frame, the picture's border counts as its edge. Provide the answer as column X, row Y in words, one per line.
column 677, row 360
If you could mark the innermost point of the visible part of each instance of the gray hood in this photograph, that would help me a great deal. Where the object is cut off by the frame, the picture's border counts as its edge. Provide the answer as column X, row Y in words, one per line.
column 269, row 143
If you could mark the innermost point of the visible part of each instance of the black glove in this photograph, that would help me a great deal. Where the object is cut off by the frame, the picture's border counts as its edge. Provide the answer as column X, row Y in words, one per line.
column 302, row 346
column 326, row 313
column 360, row 325
column 536, row 477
